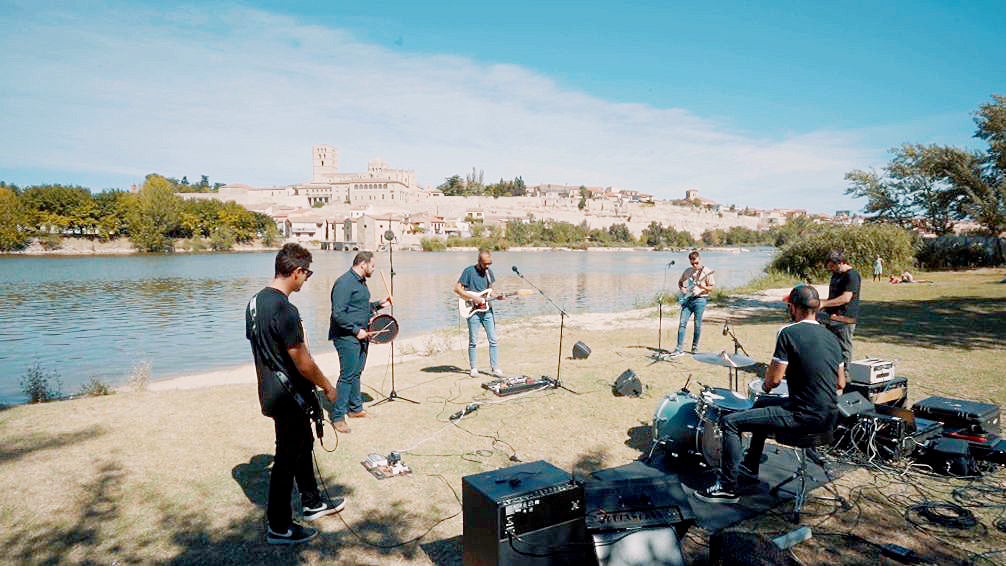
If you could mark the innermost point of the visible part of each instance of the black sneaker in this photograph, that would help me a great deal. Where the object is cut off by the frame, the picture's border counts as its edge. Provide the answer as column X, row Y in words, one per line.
column 324, row 508
column 716, row 494
column 296, row 534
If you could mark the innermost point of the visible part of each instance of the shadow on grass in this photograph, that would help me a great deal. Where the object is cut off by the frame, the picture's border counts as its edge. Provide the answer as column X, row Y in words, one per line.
column 640, row 437
column 446, row 552
column 444, row 369
column 19, row 447
column 966, row 323
column 51, row 544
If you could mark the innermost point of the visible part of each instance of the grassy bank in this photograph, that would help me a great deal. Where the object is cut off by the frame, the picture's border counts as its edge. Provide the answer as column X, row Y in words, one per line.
column 181, row 476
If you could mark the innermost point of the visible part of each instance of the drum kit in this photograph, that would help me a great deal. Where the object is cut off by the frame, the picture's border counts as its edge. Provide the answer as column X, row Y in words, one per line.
column 686, row 424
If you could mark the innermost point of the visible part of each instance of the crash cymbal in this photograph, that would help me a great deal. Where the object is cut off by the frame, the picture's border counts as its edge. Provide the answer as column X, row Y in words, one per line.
column 724, row 359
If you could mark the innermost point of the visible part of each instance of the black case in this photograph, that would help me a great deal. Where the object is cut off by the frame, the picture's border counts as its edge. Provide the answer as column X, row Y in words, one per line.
column 958, row 414
column 580, row 351
column 893, row 392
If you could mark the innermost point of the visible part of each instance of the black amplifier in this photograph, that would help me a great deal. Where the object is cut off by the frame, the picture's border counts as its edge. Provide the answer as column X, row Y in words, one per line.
column 531, row 513
column 637, row 503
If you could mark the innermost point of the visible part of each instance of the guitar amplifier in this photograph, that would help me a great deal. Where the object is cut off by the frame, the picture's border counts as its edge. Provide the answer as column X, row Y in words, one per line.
column 870, row 370
column 529, row 514
column 893, row 392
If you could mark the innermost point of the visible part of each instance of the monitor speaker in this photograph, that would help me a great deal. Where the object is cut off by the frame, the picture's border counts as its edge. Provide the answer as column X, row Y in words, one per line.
column 580, row 351
column 627, row 385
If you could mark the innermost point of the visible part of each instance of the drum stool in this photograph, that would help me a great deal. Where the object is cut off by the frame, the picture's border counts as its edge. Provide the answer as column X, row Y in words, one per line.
column 803, row 445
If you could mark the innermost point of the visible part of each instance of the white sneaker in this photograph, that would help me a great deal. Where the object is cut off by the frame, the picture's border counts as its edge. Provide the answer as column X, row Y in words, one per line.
column 497, row 372
column 474, row 372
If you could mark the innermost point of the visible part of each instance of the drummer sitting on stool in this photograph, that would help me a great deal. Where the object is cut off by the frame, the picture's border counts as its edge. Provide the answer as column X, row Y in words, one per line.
column 810, row 358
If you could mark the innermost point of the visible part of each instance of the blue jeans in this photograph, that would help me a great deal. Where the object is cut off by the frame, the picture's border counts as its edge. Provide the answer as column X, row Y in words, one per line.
column 352, row 359
column 695, row 306
column 488, row 321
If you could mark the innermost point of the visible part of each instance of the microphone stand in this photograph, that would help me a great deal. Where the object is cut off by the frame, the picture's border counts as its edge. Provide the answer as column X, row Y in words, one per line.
column 393, row 396
column 562, row 326
column 660, row 313
column 735, row 374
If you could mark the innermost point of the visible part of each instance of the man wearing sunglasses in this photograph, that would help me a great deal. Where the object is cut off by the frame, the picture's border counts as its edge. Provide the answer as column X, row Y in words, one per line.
column 287, row 376
column 351, row 312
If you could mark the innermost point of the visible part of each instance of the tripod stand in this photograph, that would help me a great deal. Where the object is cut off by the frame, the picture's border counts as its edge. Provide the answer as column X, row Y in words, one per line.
column 660, row 314
column 389, row 236
column 562, row 326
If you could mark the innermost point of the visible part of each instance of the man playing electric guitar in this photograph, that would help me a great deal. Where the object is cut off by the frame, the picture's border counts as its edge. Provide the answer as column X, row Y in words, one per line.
column 474, row 280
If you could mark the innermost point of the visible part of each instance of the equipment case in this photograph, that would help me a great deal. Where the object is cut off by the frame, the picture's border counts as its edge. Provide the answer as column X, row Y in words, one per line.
column 959, row 414
column 893, row 393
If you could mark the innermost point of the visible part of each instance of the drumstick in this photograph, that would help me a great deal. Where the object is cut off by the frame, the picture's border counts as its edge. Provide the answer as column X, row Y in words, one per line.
column 385, row 281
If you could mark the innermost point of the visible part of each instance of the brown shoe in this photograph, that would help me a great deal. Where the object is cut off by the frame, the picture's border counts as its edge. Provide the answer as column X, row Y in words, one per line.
column 359, row 415
column 342, row 427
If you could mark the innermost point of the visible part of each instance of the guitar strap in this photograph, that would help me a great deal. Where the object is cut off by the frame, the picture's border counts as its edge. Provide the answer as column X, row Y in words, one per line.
column 273, row 364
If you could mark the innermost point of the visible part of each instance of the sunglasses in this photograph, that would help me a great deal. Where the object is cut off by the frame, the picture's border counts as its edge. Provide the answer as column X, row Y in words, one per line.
column 307, row 273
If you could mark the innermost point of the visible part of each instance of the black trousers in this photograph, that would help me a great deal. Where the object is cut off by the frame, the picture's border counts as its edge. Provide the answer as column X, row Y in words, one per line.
column 767, row 417
column 294, row 443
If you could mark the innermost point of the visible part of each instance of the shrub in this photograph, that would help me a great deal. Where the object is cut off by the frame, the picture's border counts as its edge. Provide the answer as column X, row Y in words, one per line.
column 961, row 251
column 41, row 386
column 433, row 244
column 805, row 257
column 95, row 388
column 50, row 242
column 222, row 239
column 139, row 378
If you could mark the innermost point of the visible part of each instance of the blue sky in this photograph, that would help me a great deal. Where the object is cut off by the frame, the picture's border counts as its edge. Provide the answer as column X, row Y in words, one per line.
column 750, row 104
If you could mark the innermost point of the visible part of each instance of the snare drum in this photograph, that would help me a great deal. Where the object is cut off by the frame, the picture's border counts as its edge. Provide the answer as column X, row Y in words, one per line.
column 755, row 391
column 713, row 404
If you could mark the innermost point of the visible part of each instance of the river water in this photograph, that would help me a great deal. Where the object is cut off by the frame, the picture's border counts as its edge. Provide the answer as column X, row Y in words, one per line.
column 98, row 317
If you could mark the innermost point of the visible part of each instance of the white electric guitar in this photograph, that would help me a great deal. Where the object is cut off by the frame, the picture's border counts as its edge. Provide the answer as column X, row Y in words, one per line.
column 467, row 307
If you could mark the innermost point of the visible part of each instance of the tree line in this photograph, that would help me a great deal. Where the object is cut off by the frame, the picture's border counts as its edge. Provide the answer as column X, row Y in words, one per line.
column 152, row 218
column 473, row 184
column 933, row 187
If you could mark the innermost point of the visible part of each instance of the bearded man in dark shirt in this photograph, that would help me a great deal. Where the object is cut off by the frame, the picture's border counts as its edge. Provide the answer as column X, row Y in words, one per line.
column 840, row 311
column 810, row 359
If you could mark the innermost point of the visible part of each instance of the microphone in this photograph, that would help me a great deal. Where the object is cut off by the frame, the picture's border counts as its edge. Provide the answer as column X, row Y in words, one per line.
column 514, row 268
column 670, row 264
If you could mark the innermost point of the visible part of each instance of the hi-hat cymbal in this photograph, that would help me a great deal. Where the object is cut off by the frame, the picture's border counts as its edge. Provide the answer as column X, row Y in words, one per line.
column 724, row 359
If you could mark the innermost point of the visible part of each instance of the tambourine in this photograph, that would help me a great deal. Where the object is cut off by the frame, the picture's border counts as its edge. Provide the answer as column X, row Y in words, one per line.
column 383, row 328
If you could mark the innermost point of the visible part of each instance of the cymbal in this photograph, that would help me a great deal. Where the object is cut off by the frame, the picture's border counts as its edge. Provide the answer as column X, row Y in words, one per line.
column 724, row 359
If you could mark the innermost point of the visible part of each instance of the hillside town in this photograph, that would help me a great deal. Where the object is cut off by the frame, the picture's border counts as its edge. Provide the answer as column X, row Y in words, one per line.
column 345, row 210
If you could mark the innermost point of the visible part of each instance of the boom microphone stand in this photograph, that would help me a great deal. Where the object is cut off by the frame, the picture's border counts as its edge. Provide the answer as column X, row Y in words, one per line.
column 735, row 374
column 660, row 311
column 389, row 236
column 562, row 325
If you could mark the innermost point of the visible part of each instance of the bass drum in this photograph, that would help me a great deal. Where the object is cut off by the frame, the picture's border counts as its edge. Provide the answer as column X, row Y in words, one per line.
column 712, row 405
column 676, row 424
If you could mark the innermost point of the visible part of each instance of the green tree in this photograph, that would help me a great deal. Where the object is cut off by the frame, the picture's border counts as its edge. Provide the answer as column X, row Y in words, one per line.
column 59, row 208
column 620, row 233
column 453, row 186
column 154, row 215
column 12, row 221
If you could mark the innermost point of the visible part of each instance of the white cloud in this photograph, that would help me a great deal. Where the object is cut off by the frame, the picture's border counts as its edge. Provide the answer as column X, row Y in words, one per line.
column 243, row 94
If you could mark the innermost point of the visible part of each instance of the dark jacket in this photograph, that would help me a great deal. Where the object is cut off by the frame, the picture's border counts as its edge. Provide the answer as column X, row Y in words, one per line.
column 351, row 305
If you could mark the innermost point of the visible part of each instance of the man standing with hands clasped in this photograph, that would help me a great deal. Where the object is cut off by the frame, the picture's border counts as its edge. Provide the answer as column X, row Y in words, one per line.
column 841, row 310
column 287, row 376
column 351, row 312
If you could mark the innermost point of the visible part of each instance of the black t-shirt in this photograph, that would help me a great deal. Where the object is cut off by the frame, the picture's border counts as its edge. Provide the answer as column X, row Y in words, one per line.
column 812, row 355
column 840, row 283
column 279, row 328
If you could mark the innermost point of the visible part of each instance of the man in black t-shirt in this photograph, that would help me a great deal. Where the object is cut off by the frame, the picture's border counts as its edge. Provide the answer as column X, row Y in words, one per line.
column 841, row 309
column 287, row 376
column 810, row 359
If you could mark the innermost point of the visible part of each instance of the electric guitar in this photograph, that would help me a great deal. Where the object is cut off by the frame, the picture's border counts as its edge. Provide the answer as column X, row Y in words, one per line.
column 467, row 307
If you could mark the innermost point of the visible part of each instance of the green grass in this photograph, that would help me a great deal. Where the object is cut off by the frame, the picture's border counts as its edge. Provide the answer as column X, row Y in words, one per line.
column 181, row 476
